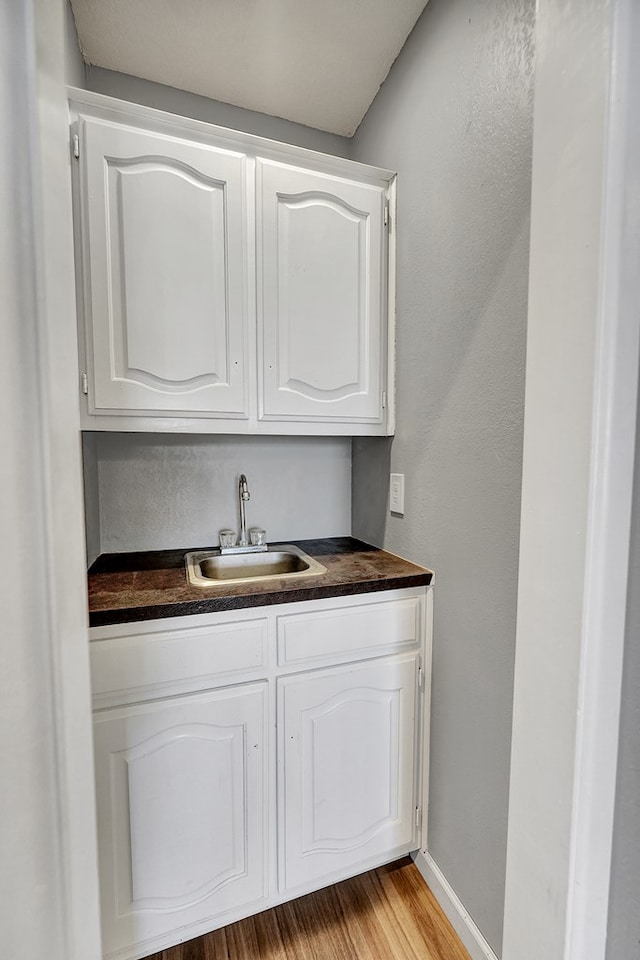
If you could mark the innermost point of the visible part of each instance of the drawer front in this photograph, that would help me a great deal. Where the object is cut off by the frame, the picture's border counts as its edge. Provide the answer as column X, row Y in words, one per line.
column 146, row 666
column 349, row 633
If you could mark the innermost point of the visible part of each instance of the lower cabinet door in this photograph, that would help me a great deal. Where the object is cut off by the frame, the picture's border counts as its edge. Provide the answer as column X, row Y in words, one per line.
column 347, row 739
column 181, row 800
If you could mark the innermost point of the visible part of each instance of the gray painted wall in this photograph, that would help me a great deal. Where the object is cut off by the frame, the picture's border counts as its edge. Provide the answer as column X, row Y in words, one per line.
column 186, row 104
column 623, row 935
column 74, row 64
column 158, row 492
column 91, row 494
column 454, row 118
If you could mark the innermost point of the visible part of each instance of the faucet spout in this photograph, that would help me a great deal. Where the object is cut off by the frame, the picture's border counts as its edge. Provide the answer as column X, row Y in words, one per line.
column 243, row 496
column 258, row 544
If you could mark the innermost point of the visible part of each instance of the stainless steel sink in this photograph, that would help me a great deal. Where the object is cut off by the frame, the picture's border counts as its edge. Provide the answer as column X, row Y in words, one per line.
column 208, row 567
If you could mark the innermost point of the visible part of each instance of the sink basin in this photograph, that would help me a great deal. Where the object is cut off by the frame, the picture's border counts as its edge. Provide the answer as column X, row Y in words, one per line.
column 208, row 568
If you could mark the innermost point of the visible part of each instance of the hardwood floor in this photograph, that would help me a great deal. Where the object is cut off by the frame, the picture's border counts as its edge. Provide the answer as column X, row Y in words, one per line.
column 386, row 914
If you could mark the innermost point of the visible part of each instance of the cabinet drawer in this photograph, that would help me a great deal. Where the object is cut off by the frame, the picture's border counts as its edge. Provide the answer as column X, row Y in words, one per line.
column 349, row 633
column 146, row 666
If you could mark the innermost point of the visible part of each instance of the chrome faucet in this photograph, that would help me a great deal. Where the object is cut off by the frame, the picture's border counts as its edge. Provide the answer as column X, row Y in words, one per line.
column 228, row 542
column 243, row 496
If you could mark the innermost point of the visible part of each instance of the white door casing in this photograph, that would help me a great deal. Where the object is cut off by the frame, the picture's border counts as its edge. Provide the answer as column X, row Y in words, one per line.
column 47, row 834
column 579, row 441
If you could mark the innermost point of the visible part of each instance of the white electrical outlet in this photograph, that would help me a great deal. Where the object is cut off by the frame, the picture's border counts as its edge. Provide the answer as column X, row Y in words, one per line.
column 396, row 493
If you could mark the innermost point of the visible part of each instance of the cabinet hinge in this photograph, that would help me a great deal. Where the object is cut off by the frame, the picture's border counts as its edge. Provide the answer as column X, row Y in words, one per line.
column 420, row 677
column 85, row 383
column 76, row 146
column 384, row 399
column 418, row 817
column 387, row 215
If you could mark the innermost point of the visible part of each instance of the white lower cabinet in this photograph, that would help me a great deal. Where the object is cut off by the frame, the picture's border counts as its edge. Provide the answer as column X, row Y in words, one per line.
column 347, row 746
column 181, row 798
column 303, row 767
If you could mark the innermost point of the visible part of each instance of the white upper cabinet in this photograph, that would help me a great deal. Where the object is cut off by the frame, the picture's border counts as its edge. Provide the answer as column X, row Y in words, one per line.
column 226, row 283
column 321, row 260
column 165, row 232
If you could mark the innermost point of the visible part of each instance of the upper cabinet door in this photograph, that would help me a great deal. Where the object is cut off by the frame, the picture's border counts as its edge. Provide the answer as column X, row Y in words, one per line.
column 165, row 255
column 321, row 255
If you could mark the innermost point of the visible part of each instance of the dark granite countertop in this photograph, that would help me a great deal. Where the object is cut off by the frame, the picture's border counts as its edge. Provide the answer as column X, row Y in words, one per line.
column 147, row 586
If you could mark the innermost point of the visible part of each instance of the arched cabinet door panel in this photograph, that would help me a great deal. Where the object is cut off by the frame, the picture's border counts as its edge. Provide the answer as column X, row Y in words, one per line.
column 347, row 739
column 322, row 256
column 164, row 229
column 181, row 797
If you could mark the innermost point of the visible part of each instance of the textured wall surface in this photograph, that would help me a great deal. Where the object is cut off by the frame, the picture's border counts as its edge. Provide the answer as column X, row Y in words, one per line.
column 186, row 104
column 160, row 492
column 74, row 64
column 623, row 936
column 91, row 494
column 454, row 118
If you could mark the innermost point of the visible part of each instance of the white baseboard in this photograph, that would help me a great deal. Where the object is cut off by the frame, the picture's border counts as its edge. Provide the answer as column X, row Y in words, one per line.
column 453, row 907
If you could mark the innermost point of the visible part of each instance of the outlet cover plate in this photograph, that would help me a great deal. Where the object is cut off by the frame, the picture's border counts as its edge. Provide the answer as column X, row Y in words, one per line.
column 396, row 493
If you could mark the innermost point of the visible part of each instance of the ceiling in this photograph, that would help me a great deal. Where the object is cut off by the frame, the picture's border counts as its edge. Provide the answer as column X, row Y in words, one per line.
column 317, row 62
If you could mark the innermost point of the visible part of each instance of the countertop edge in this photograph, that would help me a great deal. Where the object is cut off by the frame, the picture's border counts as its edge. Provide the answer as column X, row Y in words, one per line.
column 102, row 618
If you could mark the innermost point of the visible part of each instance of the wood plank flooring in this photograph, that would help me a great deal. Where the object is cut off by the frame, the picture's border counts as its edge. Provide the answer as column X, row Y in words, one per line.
column 386, row 914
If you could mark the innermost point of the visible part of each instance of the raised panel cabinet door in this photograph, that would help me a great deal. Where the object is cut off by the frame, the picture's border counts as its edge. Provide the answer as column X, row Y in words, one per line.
column 347, row 739
column 181, row 802
column 321, row 295
column 165, row 247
